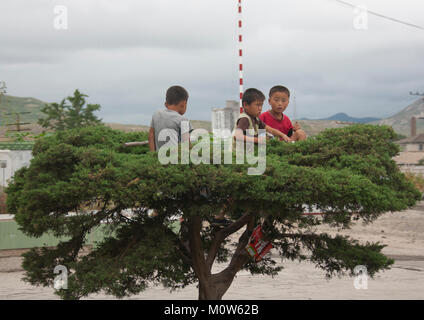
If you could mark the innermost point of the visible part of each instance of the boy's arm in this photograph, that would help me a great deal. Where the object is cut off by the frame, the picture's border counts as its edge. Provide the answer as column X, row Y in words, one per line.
column 152, row 139
column 242, row 126
column 186, row 137
column 240, row 136
column 277, row 133
column 186, row 129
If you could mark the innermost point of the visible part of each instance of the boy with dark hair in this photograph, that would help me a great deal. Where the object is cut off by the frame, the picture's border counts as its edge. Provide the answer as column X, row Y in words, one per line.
column 279, row 98
column 252, row 102
column 170, row 119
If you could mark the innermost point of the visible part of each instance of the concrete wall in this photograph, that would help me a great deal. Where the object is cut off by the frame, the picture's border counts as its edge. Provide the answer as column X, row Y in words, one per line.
column 412, row 168
column 14, row 159
column 414, row 147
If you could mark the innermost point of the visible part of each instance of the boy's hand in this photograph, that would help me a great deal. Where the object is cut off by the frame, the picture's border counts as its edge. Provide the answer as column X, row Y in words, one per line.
column 262, row 140
column 277, row 133
column 296, row 126
column 285, row 138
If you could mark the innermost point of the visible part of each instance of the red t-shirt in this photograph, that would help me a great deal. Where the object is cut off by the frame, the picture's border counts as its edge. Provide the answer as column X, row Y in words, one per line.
column 284, row 125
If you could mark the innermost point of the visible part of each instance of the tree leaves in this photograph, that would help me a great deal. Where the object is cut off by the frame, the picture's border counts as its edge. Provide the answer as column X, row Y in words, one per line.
column 346, row 173
column 61, row 116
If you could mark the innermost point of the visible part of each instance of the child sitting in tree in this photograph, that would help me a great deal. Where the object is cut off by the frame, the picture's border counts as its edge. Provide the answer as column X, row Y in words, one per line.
column 279, row 98
column 170, row 118
column 252, row 101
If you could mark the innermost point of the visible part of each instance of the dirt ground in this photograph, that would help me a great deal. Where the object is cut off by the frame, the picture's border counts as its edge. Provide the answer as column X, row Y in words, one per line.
column 402, row 232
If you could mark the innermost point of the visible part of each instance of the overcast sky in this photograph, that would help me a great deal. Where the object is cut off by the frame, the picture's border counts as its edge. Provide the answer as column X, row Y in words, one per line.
column 125, row 54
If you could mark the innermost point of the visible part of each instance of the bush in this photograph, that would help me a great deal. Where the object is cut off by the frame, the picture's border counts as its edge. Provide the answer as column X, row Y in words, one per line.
column 416, row 179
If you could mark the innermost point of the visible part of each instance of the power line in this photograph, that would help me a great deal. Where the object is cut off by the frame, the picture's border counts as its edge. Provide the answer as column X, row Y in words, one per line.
column 381, row 15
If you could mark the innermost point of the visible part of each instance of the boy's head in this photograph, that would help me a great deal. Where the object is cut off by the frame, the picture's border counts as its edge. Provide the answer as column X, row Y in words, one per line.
column 176, row 99
column 279, row 98
column 252, row 101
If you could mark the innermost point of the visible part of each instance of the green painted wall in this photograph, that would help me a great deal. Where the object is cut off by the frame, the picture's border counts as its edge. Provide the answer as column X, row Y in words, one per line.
column 12, row 238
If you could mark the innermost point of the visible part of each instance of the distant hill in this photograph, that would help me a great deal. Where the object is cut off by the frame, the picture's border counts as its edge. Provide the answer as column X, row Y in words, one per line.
column 314, row 127
column 401, row 121
column 10, row 104
column 346, row 118
column 196, row 124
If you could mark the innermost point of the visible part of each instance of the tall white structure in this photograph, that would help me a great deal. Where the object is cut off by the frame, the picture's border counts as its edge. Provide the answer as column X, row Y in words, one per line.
column 223, row 120
column 13, row 156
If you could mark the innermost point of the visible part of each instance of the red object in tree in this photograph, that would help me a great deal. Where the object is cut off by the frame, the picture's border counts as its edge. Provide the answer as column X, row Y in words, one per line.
column 257, row 246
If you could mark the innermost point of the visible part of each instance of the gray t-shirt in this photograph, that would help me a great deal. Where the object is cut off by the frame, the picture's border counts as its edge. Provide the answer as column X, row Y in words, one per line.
column 169, row 125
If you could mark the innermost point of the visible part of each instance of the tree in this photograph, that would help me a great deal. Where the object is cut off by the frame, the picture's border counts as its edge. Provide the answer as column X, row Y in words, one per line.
column 346, row 173
column 64, row 116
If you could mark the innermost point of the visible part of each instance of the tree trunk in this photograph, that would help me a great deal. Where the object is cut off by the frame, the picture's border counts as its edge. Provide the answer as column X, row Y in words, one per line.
column 207, row 292
column 217, row 285
column 213, row 287
column 214, row 290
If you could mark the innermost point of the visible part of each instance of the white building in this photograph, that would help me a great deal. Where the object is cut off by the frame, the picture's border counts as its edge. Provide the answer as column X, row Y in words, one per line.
column 13, row 156
column 223, row 120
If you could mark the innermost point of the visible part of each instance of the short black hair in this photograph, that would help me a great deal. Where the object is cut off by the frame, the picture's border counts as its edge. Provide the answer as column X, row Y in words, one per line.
column 251, row 95
column 176, row 94
column 279, row 89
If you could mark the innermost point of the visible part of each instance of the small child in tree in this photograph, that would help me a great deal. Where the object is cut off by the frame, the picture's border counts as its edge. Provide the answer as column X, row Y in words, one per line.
column 170, row 119
column 279, row 99
column 252, row 101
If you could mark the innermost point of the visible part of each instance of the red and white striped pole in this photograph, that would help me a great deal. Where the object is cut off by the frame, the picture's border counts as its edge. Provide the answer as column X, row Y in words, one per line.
column 240, row 41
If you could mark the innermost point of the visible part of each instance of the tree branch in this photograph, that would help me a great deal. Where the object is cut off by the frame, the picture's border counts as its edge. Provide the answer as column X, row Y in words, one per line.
column 198, row 256
column 224, row 278
column 136, row 143
column 221, row 235
column 241, row 256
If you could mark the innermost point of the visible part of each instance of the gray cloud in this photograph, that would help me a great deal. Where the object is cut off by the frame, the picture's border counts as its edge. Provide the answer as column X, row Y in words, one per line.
column 125, row 54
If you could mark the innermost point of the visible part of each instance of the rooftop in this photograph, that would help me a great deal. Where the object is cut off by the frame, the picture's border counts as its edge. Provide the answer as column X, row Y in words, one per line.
column 409, row 158
column 415, row 139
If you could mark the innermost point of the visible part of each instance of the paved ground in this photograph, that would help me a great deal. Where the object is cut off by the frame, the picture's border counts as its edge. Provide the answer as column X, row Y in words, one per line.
column 403, row 232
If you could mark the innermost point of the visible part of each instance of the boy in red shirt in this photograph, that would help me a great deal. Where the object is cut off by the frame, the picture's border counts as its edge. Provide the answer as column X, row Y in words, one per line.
column 279, row 98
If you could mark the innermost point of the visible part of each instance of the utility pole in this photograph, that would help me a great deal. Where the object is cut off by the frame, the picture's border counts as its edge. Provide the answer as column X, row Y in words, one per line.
column 18, row 122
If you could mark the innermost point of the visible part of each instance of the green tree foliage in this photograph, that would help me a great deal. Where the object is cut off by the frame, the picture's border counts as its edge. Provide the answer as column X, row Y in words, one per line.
column 400, row 136
column 346, row 173
column 61, row 116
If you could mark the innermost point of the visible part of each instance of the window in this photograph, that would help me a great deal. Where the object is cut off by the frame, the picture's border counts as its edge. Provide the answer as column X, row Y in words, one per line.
column 421, row 147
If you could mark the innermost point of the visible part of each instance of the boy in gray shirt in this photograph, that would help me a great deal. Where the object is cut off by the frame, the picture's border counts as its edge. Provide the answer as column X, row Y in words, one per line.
column 170, row 122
